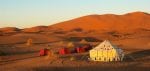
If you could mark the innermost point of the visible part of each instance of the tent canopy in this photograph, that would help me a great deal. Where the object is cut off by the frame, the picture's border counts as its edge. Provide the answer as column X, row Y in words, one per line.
column 106, row 51
column 106, row 45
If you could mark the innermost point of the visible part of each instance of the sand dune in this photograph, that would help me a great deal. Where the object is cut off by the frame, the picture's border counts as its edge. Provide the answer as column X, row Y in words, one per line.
column 9, row 29
column 108, row 22
column 36, row 29
column 131, row 32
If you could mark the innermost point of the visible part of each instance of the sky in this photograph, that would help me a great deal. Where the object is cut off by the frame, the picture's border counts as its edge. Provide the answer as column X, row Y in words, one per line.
column 29, row 13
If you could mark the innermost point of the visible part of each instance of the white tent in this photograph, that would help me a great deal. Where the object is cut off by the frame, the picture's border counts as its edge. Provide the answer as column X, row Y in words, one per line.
column 106, row 52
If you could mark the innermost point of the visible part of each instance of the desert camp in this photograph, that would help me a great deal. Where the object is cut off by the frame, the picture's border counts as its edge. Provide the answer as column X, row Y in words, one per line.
column 74, row 35
column 106, row 52
column 53, row 51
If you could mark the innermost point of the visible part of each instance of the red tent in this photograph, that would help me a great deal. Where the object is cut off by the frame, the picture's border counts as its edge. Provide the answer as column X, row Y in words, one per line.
column 80, row 50
column 87, row 47
column 64, row 51
column 43, row 52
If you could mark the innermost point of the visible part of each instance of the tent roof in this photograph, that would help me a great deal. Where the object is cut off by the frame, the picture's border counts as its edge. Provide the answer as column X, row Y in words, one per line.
column 105, row 45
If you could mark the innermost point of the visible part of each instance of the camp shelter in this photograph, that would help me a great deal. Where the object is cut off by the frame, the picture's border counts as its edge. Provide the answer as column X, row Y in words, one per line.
column 80, row 49
column 87, row 47
column 83, row 48
column 63, row 51
column 43, row 52
column 106, row 52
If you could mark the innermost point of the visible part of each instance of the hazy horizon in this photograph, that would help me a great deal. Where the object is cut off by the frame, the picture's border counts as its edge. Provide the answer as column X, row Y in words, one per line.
column 29, row 13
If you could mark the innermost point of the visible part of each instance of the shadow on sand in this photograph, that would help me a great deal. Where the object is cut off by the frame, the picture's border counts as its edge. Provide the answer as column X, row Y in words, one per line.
column 137, row 55
column 3, row 62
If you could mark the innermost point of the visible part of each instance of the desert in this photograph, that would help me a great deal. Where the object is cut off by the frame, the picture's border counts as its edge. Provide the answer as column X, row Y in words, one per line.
column 130, row 32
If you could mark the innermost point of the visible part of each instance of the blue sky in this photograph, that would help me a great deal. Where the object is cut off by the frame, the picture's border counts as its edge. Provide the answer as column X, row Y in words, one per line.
column 29, row 13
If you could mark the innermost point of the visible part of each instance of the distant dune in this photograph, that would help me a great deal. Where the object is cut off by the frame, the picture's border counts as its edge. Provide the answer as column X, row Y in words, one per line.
column 129, row 22
column 35, row 29
column 9, row 29
column 108, row 22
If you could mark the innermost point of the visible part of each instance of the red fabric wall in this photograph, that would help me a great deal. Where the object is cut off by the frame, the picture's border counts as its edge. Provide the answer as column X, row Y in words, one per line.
column 80, row 50
column 43, row 52
column 64, row 51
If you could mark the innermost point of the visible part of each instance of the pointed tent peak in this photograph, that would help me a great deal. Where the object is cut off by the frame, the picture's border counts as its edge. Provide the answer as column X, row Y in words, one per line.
column 106, row 41
column 106, row 44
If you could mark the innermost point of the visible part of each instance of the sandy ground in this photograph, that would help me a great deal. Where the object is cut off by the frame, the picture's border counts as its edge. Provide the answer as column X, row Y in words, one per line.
column 20, row 57
column 32, row 62
column 130, row 32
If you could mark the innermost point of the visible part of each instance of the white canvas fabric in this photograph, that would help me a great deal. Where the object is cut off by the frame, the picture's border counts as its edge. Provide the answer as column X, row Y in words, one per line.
column 106, row 51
